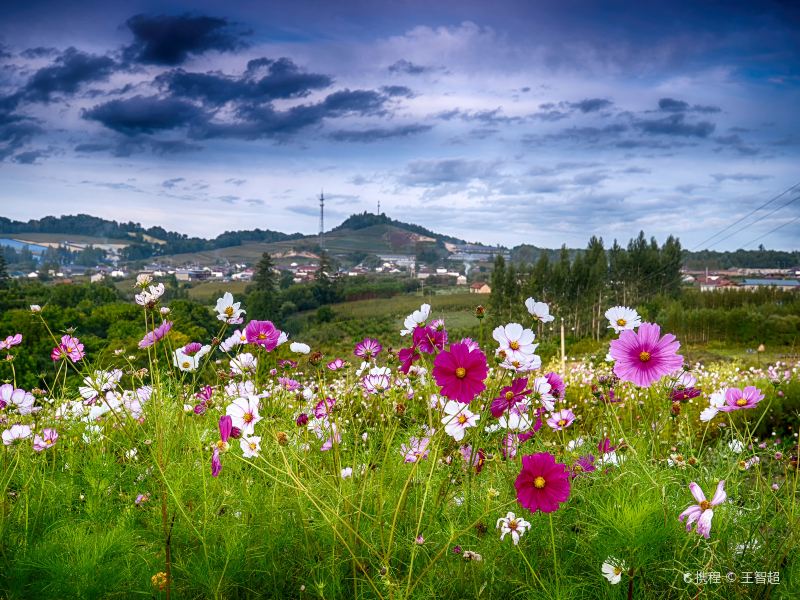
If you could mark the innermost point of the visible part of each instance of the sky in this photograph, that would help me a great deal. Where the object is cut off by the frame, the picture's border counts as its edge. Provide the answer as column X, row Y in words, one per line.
column 499, row 122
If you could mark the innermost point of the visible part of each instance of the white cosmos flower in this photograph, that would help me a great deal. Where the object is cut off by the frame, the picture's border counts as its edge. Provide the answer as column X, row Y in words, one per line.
column 250, row 446
column 457, row 419
column 237, row 338
column 516, row 342
column 15, row 433
column 622, row 318
column 150, row 296
column 347, row 472
column 516, row 526
column 21, row 399
column 189, row 363
column 539, row 310
column 540, row 390
column 529, row 363
column 613, row 569
column 736, row 446
column 715, row 401
column 282, row 338
column 100, row 382
column 244, row 414
column 228, row 310
column 244, row 363
column 299, row 348
column 418, row 317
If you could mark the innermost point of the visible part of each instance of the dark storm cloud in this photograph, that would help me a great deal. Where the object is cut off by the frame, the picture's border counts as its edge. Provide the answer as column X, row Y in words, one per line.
column 170, row 40
column 65, row 76
column 15, row 132
column 486, row 117
column 735, row 142
column 145, row 114
column 677, row 106
column 591, row 104
column 676, row 124
column 377, row 134
column 263, row 81
column 720, row 177
column 397, row 90
column 39, row 52
column 29, row 157
column 409, row 68
column 585, row 135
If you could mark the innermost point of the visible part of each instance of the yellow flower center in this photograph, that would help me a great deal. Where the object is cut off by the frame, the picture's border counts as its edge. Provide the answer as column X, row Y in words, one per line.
column 514, row 345
column 223, row 446
column 562, row 422
column 644, row 356
column 617, row 571
column 229, row 311
column 622, row 322
column 512, row 524
column 539, row 482
column 462, row 419
column 578, row 468
column 262, row 336
column 705, row 505
column 253, row 446
column 461, row 372
column 509, row 396
column 248, row 417
column 186, row 364
column 741, row 402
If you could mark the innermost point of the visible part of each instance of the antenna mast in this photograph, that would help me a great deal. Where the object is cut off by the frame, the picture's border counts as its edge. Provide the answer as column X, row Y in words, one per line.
column 321, row 220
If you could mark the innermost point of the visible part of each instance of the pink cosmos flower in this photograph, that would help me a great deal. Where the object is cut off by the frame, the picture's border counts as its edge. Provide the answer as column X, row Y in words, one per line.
column 585, row 464
column 416, row 449
column 702, row 511
column 11, row 340
column 561, row 419
column 542, row 484
column 288, row 383
column 736, row 399
column 460, row 373
column 263, row 333
column 368, row 348
column 225, row 430
column 408, row 356
column 509, row 445
column 19, row 398
column 46, row 440
column 471, row 344
column 335, row 364
column 478, row 457
column 645, row 356
column 557, row 387
column 151, row 337
column 324, row 408
column 509, row 396
column 70, row 347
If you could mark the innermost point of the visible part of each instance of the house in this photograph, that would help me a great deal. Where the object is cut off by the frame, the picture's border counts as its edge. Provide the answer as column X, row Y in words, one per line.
column 97, row 277
column 780, row 284
column 712, row 283
column 480, row 287
column 461, row 280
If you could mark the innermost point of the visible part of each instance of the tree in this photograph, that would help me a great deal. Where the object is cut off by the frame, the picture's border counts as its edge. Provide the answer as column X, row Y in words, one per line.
column 3, row 272
column 265, row 278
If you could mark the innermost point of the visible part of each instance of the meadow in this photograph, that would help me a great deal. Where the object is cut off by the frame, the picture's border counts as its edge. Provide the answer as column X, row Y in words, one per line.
column 416, row 465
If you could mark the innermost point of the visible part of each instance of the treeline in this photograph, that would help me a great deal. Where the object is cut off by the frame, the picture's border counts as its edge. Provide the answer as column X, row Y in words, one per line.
column 579, row 288
column 748, row 259
column 368, row 219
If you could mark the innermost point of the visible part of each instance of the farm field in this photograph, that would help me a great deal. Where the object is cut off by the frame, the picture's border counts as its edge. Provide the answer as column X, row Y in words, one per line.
column 444, row 468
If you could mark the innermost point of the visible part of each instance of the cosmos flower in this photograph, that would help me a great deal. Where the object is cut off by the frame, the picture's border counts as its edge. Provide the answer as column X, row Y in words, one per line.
column 375, row 383
column 264, row 334
column 585, row 464
column 243, row 364
column 431, row 338
column 715, row 403
column 407, row 357
column 622, row 318
column 514, row 525
column 457, row 419
column 324, row 408
column 22, row 400
column 542, row 484
column 509, row 396
column 250, row 446
column 46, row 440
column 368, row 348
column 557, row 386
column 150, row 296
column 228, row 310
column 645, row 356
column 612, row 570
column 702, row 512
column 225, row 429
column 561, row 419
column 540, row 393
column 244, row 414
column 70, row 347
column 299, row 348
column 539, row 310
column 460, row 373
column 737, row 399
column 418, row 317
column 151, row 337
column 15, row 434
column 335, row 364
column 416, row 449
column 237, row 338
column 188, row 358
column 10, row 341
column 516, row 342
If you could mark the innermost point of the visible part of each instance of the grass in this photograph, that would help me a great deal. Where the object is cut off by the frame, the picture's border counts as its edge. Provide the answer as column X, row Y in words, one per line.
column 287, row 524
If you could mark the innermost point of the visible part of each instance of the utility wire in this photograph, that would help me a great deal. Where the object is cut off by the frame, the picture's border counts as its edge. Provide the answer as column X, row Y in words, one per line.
column 752, row 212
column 771, row 231
column 761, row 218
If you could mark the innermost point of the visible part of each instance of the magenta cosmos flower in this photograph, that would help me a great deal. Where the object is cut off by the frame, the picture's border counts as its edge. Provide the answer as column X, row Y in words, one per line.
column 543, row 483
column 736, row 399
column 151, row 337
column 509, row 396
column 262, row 333
column 702, row 511
column 460, row 373
column 225, row 431
column 70, row 347
column 645, row 356
column 368, row 348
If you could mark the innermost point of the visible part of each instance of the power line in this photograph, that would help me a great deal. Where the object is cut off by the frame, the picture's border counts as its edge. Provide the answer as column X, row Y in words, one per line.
column 752, row 212
column 761, row 218
column 771, row 231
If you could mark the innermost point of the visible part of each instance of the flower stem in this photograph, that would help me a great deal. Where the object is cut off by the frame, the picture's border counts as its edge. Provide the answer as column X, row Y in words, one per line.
column 555, row 560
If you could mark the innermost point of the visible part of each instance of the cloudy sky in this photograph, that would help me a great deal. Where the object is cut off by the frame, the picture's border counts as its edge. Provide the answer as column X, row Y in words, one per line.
column 507, row 121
